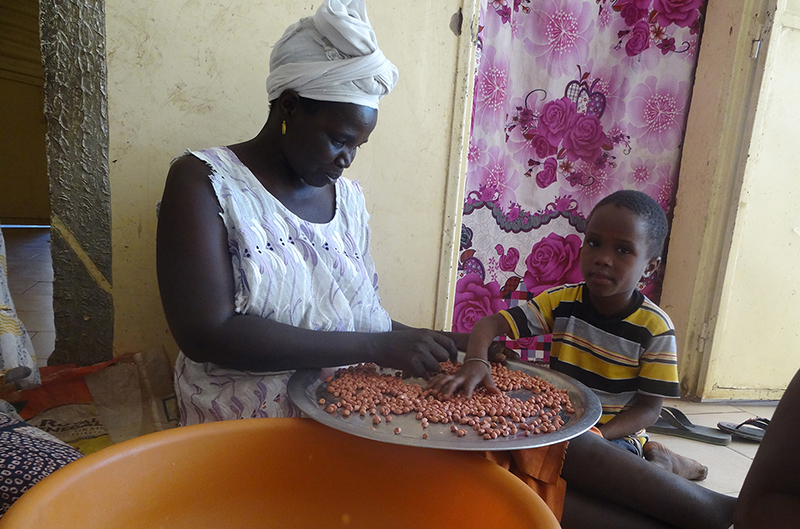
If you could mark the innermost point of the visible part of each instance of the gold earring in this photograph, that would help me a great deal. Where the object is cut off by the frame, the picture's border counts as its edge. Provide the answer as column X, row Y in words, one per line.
column 283, row 128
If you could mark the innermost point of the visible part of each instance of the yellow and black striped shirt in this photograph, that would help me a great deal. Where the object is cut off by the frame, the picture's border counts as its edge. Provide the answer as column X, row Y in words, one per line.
column 617, row 357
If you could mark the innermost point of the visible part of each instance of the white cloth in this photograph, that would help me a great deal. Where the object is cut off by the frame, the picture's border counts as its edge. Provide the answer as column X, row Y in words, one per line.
column 286, row 269
column 17, row 359
column 332, row 56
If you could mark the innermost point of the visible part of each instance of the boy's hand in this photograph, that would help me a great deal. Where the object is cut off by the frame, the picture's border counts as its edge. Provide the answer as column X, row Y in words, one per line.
column 641, row 415
column 472, row 373
column 467, row 378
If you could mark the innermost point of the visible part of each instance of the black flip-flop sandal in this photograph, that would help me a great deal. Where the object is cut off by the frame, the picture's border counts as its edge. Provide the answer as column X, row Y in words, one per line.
column 752, row 429
column 673, row 422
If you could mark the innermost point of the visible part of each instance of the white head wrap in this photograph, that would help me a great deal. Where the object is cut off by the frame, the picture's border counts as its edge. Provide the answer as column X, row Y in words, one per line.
column 332, row 56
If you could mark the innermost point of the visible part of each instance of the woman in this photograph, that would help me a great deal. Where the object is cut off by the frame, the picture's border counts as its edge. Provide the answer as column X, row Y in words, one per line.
column 263, row 244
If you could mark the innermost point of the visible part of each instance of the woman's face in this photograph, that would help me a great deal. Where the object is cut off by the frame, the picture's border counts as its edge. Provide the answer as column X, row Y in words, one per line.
column 322, row 138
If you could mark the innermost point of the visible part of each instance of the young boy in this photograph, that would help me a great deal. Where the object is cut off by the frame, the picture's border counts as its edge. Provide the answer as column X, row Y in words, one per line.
column 606, row 334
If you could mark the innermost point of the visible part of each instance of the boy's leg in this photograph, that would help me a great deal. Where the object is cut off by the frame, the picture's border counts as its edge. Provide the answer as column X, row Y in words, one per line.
column 662, row 456
column 629, row 444
column 599, row 469
column 683, row 466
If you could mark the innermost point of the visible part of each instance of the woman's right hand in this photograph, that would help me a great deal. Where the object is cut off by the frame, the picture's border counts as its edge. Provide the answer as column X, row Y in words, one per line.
column 415, row 351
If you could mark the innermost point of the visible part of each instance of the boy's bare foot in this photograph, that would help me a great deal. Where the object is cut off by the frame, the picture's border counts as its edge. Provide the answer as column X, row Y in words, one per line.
column 662, row 456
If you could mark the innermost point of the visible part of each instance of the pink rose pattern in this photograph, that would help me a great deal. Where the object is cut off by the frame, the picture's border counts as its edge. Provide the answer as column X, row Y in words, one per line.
column 653, row 24
column 574, row 99
column 553, row 261
column 473, row 301
column 547, row 175
column 638, row 39
column 508, row 260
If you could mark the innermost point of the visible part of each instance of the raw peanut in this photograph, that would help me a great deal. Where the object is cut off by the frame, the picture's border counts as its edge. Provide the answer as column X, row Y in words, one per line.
column 361, row 388
column 397, row 431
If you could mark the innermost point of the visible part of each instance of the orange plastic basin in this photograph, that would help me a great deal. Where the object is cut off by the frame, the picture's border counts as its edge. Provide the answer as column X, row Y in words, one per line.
column 292, row 473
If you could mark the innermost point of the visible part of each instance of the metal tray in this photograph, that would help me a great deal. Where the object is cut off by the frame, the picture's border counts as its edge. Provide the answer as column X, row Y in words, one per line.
column 307, row 386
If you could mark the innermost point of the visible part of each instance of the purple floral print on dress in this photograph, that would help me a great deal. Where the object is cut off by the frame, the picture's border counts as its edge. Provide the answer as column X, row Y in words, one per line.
column 308, row 275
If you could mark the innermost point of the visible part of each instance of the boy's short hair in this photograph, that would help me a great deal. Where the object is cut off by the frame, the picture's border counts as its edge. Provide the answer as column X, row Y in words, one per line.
column 647, row 208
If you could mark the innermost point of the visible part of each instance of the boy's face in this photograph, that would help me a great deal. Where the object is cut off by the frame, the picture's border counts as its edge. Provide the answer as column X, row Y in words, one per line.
column 615, row 256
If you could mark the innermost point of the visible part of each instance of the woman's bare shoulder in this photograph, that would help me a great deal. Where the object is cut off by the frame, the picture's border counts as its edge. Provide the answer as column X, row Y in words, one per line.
column 187, row 169
column 188, row 186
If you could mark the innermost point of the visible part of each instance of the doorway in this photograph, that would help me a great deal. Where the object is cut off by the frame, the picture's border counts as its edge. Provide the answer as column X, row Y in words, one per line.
column 23, row 177
column 58, row 49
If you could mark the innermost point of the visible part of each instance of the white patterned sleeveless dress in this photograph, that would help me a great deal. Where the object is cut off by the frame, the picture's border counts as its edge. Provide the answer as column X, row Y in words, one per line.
column 286, row 269
column 17, row 359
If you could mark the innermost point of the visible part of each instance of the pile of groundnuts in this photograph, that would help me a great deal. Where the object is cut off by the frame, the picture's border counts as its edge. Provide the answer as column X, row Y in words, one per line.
column 362, row 390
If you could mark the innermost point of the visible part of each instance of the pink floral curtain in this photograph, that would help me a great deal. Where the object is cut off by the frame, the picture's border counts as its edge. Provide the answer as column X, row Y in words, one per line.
column 574, row 99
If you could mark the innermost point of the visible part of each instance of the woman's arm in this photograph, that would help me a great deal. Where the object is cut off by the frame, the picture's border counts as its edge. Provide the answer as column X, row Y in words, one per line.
column 460, row 339
column 196, row 282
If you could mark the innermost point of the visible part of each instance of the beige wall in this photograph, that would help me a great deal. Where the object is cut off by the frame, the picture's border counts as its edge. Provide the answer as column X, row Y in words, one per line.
column 191, row 74
column 757, row 346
